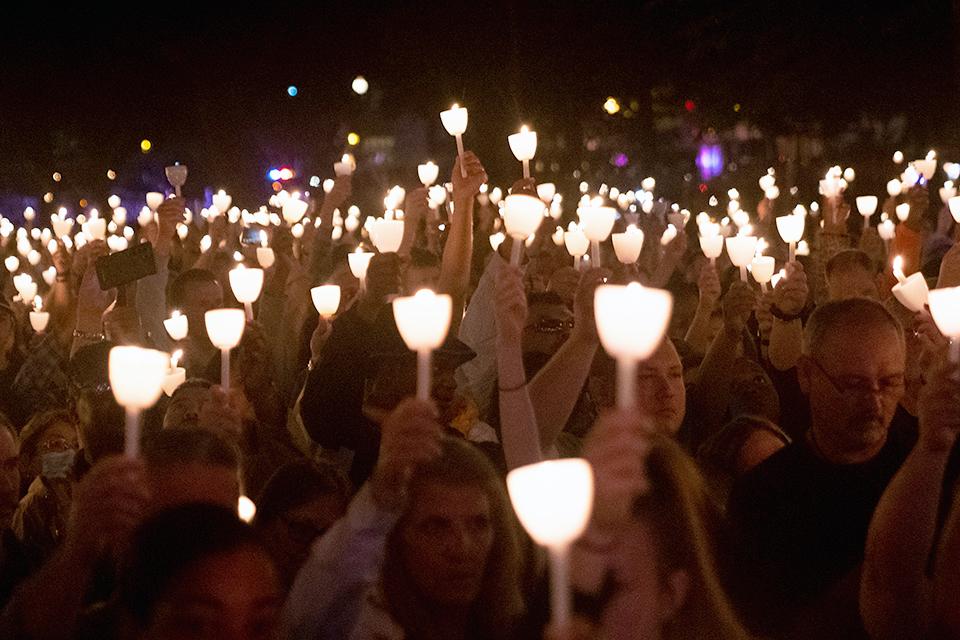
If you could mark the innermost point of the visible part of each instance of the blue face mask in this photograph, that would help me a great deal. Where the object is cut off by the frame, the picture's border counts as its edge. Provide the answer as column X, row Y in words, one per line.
column 58, row 464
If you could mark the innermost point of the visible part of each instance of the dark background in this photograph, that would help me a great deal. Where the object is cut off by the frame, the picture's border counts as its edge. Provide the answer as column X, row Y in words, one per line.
column 206, row 84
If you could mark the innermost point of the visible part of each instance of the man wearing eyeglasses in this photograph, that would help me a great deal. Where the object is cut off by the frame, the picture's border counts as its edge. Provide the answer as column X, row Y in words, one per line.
column 801, row 517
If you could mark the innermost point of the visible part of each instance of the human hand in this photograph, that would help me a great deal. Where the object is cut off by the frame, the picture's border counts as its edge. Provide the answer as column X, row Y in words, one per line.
column 790, row 294
column 169, row 214
column 467, row 188
column 526, row 186
column 121, row 324
column 764, row 317
column 836, row 210
column 319, row 338
column 939, row 409
column 709, row 285
column 919, row 200
column 108, row 504
column 410, row 436
column 91, row 300
column 511, row 305
column 616, row 448
column 416, row 206
column 61, row 260
column 738, row 304
column 224, row 412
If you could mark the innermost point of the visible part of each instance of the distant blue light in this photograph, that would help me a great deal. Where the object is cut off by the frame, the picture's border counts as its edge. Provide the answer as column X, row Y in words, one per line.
column 710, row 161
column 292, row 91
column 274, row 174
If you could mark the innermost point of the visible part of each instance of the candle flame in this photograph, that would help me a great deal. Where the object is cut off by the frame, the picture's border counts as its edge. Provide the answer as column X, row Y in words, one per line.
column 37, row 303
column 175, row 358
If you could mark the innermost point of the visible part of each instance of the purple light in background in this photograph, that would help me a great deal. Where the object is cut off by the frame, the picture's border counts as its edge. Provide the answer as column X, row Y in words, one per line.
column 710, row 161
column 621, row 160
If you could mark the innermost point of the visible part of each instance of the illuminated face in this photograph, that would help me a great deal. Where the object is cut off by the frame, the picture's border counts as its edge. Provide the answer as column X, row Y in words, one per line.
column 661, row 394
column 234, row 594
column 854, row 386
column 184, row 409
column 446, row 539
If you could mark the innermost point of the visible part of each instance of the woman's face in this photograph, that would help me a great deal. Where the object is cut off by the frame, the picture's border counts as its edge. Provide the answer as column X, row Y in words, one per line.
column 642, row 602
column 57, row 438
column 235, row 594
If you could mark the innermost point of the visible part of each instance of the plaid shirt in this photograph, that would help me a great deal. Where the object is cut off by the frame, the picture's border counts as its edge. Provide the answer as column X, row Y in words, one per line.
column 42, row 382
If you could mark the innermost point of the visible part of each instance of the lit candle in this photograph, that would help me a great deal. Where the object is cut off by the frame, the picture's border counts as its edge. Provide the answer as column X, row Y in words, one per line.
column 423, row 321
column 631, row 321
column 762, row 268
column 954, row 204
column 176, row 176
column 246, row 285
column 945, row 309
column 628, row 245
column 428, row 173
column 387, row 235
column 175, row 375
column 293, row 210
column 221, row 201
column 546, row 192
column 898, row 269
column 523, row 144
column 597, row 223
column 154, row 200
column 454, row 121
column 496, row 239
column 346, row 166
column 225, row 328
column 791, row 230
column 553, row 501
column 867, row 206
column 39, row 318
column 903, row 211
column 741, row 250
column 326, row 299
column 176, row 326
column 136, row 379
column 359, row 262
column 522, row 215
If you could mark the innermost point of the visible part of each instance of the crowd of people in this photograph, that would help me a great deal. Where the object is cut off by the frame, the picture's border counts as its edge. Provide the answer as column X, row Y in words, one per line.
column 789, row 470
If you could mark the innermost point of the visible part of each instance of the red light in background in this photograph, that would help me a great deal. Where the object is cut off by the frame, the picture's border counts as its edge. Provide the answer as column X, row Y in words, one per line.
column 689, row 105
column 703, row 188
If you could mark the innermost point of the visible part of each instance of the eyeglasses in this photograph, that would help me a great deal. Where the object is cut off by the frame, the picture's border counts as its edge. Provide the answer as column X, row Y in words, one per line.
column 855, row 385
column 551, row 325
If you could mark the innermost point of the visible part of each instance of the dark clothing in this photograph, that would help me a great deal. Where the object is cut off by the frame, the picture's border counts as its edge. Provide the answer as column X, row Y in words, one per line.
column 332, row 404
column 800, row 523
column 14, row 565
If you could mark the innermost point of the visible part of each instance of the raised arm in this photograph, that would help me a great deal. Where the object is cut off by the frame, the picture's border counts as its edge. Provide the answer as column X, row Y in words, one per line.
column 698, row 334
column 557, row 386
column 896, row 593
column 786, row 334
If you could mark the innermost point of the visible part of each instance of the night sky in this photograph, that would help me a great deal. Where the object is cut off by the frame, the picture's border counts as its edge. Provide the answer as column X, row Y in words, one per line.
column 82, row 86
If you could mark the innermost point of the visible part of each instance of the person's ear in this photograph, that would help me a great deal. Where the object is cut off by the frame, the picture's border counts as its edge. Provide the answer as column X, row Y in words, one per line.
column 804, row 372
column 673, row 594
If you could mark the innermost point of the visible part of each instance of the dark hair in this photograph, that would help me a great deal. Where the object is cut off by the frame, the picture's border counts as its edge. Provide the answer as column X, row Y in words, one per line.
column 851, row 258
column 191, row 383
column 40, row 422
column 172, row 447
column 494, row 613
column 5, row 423
column 176, row 292
column 169, row 544
column 296, row 483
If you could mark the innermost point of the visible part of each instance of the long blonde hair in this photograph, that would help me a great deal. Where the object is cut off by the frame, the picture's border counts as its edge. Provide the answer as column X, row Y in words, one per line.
column 499, row 605
column 685, row 527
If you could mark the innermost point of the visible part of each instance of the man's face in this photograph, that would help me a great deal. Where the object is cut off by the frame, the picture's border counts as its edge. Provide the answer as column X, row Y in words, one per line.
column 548, row 327
column 660, row 391
column 397, row 379
column 854, row 386
column 852, row 282
column 183, row 412
column 446, row 538
column 293, row 531
column 9, row 477
column 752, row 392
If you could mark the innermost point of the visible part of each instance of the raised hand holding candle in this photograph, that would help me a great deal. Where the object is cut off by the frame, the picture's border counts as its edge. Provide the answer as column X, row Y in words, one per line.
column 523, row 144
column 597, row 223
column 225, row 328
column 631, row 321
column 553, row 501
column 867, row 206
column 454, row 121
column 359, row 261
column 898, row 269
column 39, row 318
column 423, row 321
column 154, row 200
column 346, row 166
column 762, row 268
column 576, row 243
column 136, row 379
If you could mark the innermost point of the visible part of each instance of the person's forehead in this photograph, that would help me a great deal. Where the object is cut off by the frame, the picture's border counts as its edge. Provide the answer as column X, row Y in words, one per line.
column 203, row 289
column 449, row 501
column 859, row 346
column 190, row 395
column 665, row 356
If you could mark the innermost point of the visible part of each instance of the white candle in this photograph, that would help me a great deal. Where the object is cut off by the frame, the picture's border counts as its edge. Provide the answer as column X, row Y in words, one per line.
column 423, row 321
column 523, row 144
column 454, row 121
